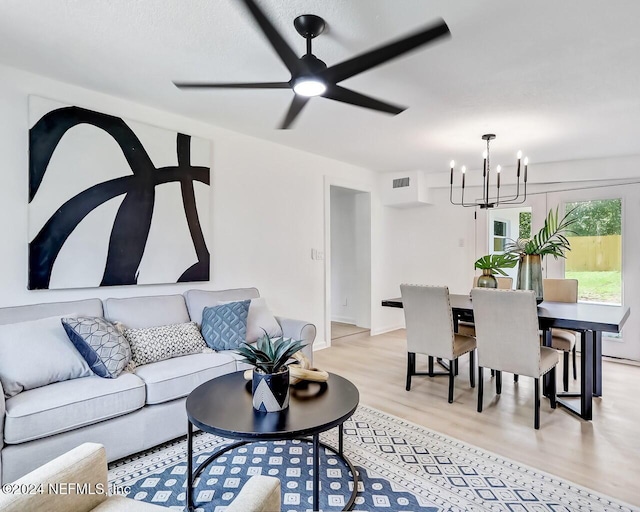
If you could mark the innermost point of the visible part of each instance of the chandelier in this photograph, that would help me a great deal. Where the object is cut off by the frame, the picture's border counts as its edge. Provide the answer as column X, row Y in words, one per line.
column 487, row 201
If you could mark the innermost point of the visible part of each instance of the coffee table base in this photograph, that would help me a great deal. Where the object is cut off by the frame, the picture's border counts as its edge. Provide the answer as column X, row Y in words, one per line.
column 315, row 440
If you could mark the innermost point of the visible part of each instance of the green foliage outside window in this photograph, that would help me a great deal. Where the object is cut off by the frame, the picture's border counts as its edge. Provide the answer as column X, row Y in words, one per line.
column 596, row 218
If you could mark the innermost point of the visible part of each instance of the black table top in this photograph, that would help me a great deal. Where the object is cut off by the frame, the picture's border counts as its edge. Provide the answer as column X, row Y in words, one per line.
column 577, row 316
column 223, row 406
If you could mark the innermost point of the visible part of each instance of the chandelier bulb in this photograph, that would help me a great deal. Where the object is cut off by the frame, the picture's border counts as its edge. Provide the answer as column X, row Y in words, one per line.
column 526, row 160
column 452, row 164
column 519, row 155
column 464, row 169
column 498, row 169
column 485, row 154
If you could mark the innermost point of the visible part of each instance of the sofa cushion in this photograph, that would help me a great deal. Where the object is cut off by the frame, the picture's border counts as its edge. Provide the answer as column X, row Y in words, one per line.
column 103, row 347
column 224, row 327
column 69, row 405
column 197, row 300
column 37, row 353
column 177, row 377
column 261, row 320
column 141, row 312
column 164, row 342
column 86, row 307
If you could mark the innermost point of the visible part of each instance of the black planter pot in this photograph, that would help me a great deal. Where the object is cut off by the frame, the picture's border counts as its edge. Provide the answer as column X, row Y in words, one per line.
column 270, row 390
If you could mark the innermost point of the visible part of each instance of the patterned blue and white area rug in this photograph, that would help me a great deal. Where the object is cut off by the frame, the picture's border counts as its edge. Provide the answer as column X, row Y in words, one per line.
column 401, row 466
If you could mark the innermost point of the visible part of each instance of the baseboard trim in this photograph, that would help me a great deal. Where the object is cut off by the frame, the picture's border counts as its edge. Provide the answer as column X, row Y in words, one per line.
column 383, row 330
column 320, row 345
column 343, row 320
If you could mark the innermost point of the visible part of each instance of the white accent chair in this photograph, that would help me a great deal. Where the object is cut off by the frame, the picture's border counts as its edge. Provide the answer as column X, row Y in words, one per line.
column 508, row 340
column 429, row 323
column 563, row 290
column 82, row 475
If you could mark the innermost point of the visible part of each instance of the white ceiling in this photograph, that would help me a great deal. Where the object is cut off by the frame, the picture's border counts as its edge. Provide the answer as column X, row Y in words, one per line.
column 558, row 79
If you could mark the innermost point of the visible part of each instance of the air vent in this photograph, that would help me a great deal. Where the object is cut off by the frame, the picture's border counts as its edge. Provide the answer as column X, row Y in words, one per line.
column 401, row 182
column 403, row 189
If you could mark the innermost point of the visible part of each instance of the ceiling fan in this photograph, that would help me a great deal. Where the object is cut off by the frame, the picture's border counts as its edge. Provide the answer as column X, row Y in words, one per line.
column 311, row 77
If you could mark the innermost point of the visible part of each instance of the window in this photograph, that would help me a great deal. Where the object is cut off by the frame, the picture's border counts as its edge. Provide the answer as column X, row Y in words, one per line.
column 500, row 230
column 595, row 258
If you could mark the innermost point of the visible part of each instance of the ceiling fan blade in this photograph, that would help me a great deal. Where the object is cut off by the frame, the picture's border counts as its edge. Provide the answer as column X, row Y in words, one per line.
column 249, row 85
column 337, row 93
column 384, row 53
column 284, row 51
column 296, row 106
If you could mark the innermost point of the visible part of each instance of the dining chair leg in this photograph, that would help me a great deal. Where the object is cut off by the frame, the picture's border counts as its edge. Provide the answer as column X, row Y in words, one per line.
column 455, row 363
column 565, row 371
column 515, row 377
column 536, row 404
column 472, row 368
column 480, row 386
column 430, row 366
column 575, row 373
column 411, row 368
column 498, row 382
column 451, row 378
column 552, row 391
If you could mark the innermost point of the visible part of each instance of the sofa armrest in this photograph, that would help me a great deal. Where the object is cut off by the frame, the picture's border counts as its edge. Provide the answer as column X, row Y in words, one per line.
column 299, row 330
column 77, row 480
column 2, row 412
column 259, row 494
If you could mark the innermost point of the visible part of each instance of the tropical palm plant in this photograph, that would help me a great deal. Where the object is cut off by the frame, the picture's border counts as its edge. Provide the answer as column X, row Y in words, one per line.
column 550, row 240
column 269, row 355
column 496, row 262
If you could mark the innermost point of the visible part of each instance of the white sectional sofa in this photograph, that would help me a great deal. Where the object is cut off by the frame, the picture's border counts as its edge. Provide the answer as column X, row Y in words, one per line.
column 130, row 413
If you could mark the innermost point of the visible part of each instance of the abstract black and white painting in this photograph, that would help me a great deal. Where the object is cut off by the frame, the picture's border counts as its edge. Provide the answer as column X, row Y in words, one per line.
column 114, row 202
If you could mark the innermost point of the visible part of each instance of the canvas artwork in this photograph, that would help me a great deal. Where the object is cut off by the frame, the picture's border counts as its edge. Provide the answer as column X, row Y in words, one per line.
column 113, row 201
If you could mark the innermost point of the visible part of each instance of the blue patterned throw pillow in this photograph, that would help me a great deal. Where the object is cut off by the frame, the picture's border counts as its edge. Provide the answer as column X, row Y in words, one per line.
column 103, row 347
column 224, row 327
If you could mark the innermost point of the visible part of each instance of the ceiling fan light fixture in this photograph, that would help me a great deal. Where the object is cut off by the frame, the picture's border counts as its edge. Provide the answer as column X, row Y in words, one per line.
column 309, row 87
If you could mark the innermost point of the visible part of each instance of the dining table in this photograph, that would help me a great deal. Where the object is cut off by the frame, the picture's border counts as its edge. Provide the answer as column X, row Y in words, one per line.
column 590, row 320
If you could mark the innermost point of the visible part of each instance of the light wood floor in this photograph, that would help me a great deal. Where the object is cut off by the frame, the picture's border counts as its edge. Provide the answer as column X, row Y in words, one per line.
column 340, row 330
column 603, row 454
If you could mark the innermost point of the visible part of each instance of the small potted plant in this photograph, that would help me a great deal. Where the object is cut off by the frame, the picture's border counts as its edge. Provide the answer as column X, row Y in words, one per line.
column 550, row 240
column 493, row 264
column 270, row 383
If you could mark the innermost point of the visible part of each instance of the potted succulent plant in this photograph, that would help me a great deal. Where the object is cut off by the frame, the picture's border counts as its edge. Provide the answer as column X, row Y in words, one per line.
column 270, row 383
column 549, row 241
column 493, row 264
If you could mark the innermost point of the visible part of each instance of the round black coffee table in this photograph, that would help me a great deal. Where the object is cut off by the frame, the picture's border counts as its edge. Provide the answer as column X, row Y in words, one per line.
column 223, row 406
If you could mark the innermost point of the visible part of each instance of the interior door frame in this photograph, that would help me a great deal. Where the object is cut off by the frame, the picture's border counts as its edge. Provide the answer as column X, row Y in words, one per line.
column 330, row 181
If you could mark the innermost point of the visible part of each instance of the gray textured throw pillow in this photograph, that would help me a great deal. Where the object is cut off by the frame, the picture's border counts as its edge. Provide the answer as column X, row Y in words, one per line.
column 154, row 344
column 100, row 343
column 37, row 353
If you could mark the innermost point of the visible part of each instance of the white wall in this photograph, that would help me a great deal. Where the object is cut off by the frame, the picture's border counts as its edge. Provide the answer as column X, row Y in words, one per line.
column 267, row 205
column 431, row 244
column 363, row 260
column 343, row 255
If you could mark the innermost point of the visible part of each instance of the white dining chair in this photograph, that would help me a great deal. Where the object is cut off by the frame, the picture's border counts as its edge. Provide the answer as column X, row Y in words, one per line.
column 466, row 327
column 563, row 290
column 508, row 340
column 429, row 323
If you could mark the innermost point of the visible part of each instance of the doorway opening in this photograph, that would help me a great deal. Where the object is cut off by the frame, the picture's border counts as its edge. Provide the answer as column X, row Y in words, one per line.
column 349, row 262
column 506, row 225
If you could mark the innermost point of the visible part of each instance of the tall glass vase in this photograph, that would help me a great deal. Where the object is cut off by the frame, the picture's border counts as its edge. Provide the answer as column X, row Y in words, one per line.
column 530, row 275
